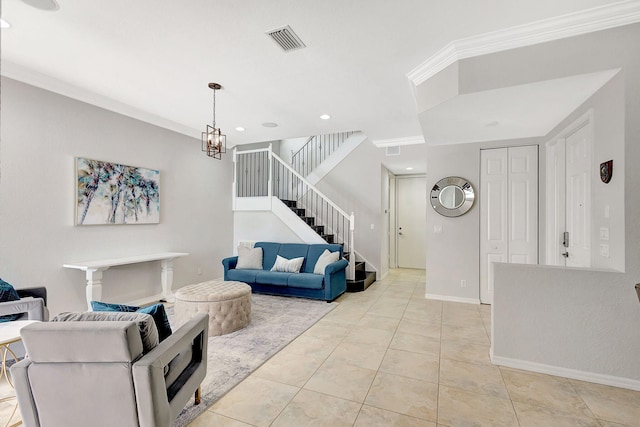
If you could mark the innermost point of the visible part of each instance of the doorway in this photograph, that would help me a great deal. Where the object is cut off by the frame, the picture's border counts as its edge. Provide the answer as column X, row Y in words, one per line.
column 410, row 221
column 568, row 195
column 508, row 210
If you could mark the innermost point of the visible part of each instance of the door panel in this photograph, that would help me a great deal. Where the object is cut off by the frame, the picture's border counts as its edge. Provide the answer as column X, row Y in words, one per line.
column 523, row 204
column 411, row 222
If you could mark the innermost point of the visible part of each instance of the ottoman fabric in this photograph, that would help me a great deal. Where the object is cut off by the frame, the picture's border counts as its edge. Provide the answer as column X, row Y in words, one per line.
column 227, row 303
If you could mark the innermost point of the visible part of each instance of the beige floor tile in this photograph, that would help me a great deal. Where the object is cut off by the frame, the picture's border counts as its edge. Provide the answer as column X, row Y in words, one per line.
column 389, row 307
column 461, row 318
column 255, row 401
column 457, row 407
column 466, row 351
column 308, row 344
column 324, row 329
column 473, row 377
column 457, row 307
column 208, row 419
column 418, row 327
column 309, row 408
column 412, row 365
column 424, row 310
column 610, row 403
column 346, row 314
column 416, row 344
column 605, row 423
column 379, row 322
column 356, row 354
column 343, row 381
column 535, row 416
column 376, row 417
column 404, row 395
column 369, row 336
column 473, row 333
column 546, row 391
column 290, row 368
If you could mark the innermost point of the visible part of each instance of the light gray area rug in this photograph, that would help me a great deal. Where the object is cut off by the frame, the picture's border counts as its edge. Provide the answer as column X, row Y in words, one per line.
column 275, row 322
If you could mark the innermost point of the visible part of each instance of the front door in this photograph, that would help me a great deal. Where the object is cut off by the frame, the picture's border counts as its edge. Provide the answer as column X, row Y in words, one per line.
column 411, row 227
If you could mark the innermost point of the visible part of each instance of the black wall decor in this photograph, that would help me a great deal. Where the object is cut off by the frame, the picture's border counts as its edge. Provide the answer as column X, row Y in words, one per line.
column 606, row 171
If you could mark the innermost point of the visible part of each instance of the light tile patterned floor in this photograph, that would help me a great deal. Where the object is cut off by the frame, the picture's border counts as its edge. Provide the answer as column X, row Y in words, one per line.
column 389, row 357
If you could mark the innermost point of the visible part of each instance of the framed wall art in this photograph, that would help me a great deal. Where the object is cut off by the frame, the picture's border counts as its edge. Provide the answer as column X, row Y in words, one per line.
column 111, row 193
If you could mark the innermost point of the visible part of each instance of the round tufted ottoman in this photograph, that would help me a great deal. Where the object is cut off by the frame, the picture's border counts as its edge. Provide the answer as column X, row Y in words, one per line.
column 227, row 303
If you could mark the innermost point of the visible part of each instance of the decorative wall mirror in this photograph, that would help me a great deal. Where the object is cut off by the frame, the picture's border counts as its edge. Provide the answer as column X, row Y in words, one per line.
column 452, row 196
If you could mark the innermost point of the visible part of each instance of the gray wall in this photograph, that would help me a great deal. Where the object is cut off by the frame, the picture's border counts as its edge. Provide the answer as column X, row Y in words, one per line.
column 571, row 322
column 41, row 133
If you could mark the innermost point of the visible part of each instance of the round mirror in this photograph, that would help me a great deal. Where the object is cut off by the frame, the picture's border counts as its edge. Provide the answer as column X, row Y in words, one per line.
column 452, row 196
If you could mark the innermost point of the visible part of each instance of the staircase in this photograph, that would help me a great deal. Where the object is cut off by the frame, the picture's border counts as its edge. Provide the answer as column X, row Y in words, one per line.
column 260, row 175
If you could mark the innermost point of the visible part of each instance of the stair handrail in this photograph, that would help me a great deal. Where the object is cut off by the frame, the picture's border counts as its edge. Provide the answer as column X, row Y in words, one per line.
column 311, row 186
column 322, row 143
column 303, row 146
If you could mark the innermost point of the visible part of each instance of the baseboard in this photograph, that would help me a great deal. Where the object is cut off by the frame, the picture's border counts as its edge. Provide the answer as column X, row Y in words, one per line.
column 452, row 299
column 565, row 372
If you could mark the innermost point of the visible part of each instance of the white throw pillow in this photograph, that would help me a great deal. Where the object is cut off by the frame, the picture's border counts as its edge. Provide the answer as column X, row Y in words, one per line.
column 250, row 259
column 325, row 259
column 287, row 265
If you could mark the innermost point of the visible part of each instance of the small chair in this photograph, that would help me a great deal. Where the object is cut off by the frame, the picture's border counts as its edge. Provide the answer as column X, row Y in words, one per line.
column 81, row 373
column 32, row 305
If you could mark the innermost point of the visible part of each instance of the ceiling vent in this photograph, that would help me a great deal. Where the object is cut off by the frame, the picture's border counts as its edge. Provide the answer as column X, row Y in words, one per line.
column 286, row 38
column 393, row 150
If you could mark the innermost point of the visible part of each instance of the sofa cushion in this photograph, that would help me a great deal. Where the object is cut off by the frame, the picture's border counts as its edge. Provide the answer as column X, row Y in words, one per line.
column 314, row 253
column 145, row 323
column 269, row 253
column 273, row 278
column 246, row 276
column 305, row 280
column 249, row 258
column 287, row 265
column 8, row 293
column 156, row 311
column 325, row 259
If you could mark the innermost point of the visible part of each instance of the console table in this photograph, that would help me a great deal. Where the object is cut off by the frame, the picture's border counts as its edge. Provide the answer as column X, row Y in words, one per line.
column 94, row 269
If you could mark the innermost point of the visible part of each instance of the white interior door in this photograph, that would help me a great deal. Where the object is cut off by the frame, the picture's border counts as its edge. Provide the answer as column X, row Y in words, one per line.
column 508, row 211
column 568, row 196
column 411, row 227
column 493, row 216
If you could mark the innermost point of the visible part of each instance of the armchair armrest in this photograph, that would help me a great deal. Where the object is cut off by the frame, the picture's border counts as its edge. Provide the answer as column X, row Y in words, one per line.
column 158, row 402
column 37, row 292
column 33, row 308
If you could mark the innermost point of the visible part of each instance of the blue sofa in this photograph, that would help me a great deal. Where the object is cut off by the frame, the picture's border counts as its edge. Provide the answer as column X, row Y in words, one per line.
column 325, row 287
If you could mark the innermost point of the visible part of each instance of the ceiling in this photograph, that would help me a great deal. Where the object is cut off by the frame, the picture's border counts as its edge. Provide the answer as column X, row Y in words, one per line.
column 153, row 60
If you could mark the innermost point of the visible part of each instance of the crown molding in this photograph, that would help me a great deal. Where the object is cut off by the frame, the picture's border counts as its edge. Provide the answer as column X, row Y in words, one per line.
column 573, row 24
column 408, row 140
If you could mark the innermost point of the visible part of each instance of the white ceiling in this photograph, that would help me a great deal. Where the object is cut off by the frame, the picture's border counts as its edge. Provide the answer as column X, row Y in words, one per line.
column 153, row 59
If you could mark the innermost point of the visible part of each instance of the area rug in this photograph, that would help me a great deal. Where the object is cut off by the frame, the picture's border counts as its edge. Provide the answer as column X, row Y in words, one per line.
column 275, row 322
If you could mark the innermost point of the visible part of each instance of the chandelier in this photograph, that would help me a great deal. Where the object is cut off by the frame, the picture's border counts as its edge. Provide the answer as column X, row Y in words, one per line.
column 214, row 142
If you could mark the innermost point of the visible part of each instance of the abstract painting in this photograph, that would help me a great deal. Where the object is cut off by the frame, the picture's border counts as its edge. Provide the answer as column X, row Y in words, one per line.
column 111, row 193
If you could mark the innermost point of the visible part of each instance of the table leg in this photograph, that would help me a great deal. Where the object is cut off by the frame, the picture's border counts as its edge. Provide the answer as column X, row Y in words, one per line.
column 167, row 280
column 94, row 285
column 4, row 349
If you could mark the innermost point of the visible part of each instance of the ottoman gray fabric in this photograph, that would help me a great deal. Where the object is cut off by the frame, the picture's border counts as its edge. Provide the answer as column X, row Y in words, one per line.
column 227, row 303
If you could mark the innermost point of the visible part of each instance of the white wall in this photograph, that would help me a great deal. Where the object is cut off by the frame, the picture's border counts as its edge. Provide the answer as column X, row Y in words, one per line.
column 260, row 226
column 572, row 322
column 290, row 146
column 41, row 133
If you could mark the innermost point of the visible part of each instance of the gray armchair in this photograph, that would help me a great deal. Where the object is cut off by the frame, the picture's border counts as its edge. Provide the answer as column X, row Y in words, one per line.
column 82, row 374
column 32, row 305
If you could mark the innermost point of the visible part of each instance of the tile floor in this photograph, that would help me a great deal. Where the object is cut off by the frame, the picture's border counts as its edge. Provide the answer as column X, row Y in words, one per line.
column 389, row 357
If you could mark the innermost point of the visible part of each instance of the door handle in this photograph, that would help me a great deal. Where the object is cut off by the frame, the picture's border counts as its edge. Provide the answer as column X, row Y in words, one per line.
column 565, row 254
column 399, row 233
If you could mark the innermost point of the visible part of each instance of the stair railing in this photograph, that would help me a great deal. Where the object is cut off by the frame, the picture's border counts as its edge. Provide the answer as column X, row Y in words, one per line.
column 262, row 173
column 315, row 150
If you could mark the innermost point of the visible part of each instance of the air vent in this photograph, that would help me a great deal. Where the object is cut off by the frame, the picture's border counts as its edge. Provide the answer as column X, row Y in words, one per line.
column 286, row 38
column 393, row 150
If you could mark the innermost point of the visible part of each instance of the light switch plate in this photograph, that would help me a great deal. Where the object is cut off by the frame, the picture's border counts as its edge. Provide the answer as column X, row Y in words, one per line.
column 604, row 250
column 604, row 233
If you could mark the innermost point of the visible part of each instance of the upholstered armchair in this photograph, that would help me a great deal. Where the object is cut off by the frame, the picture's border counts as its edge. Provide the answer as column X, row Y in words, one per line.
column 96, row 373
column 32, row 305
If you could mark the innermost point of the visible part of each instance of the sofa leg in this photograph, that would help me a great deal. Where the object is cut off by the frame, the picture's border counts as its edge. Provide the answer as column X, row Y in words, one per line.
column 197, row 396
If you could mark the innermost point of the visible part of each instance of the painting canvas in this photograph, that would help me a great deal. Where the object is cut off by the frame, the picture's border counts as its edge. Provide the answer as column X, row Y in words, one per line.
column 111, row 193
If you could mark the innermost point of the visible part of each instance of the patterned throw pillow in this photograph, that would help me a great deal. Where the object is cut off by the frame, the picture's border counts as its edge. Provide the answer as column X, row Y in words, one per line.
column 156, row 311
column 8, row 293
column 287, row 265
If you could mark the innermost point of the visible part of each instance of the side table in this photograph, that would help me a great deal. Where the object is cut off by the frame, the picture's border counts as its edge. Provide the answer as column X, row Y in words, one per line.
column 10, row 334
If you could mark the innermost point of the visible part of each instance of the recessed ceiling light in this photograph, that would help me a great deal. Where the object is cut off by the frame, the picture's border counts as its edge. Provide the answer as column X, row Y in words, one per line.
column 4, row 24
column 325, row 117
column 240, row 129
column 270, row 125
column 409, row 169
